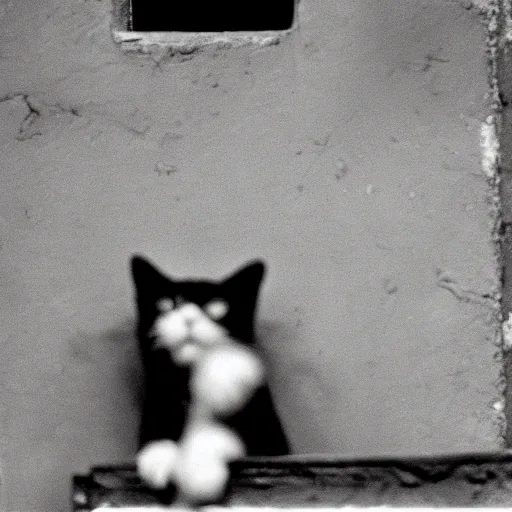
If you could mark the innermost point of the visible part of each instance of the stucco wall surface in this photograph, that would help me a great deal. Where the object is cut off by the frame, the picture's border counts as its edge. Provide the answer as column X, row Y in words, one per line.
column 347, row 156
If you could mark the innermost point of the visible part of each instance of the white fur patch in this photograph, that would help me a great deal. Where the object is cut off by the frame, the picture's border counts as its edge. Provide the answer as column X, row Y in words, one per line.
column 171, row 329
column 186, row 353
column 157, row 462
column 199, row 466
column 209, row 439
column 203, row 466
column 226, row 377
column 186, row 331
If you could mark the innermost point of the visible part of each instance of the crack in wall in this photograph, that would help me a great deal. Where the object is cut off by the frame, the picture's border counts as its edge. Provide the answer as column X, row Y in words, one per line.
column 34, row 113
column 444, row 280
column 38, row 111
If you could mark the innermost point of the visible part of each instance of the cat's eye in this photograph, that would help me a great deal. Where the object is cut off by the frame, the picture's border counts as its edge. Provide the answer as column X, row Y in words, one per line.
column 164, row 304
column 216, row 309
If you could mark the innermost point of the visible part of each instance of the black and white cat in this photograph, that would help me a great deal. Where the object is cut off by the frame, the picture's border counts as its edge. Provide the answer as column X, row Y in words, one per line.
column 179, row 321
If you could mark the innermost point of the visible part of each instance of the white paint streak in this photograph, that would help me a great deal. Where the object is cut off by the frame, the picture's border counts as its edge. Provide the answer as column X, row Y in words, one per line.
column 498, row 406
column 490, row 147
column 507, row 333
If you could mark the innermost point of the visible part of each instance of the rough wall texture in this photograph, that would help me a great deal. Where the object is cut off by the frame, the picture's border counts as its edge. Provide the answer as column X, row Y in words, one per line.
column 347, row 156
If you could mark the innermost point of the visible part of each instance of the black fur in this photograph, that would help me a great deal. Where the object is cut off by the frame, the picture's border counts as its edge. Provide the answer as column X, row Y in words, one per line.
column 166, row 385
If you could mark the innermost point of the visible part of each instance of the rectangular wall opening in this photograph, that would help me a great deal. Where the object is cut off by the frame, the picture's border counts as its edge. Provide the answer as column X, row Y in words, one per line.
column 208, row 16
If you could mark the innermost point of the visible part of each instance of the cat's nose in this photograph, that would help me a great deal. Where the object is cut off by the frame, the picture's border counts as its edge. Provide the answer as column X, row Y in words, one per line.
column 189, row 313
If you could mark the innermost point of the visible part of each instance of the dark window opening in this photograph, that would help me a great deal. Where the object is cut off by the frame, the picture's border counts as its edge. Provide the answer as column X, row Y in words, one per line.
column 211, row 15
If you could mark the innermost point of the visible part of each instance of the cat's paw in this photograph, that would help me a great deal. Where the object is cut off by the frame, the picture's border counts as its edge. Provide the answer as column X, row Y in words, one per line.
column 156, row 463
column 203, row 481
column 226, row 377
column 211, row 440
column 203, row 473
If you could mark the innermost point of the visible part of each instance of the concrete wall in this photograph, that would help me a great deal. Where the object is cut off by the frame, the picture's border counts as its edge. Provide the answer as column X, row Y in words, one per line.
column 347, row 156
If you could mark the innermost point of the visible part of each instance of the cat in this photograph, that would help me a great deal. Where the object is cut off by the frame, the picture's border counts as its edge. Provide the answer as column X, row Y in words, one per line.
column 178, row 320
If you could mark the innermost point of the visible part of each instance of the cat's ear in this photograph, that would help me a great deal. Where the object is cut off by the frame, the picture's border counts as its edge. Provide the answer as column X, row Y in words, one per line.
column 245, row 282
column 146, row 277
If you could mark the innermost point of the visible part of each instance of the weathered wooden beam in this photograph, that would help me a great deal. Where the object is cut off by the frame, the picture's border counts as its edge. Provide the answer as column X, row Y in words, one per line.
column 482, row 479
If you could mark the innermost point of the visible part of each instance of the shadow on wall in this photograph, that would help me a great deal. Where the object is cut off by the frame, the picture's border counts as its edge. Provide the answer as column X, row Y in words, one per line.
column 113, row 357
column 298, row 388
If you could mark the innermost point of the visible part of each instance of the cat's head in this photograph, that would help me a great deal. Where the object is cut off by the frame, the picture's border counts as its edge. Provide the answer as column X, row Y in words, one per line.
column 188, row 316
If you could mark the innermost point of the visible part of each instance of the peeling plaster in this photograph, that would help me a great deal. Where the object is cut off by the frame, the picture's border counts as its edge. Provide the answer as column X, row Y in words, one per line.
column 507, row 333
column 189, row 43
column 490, row 146
column 496, row 12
